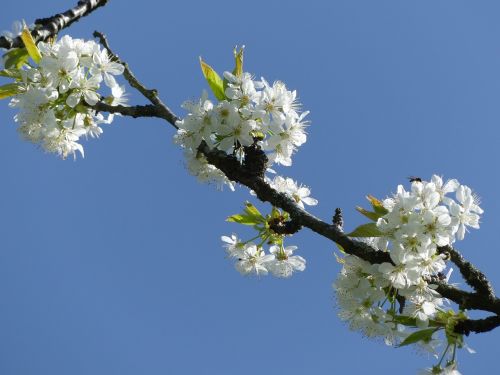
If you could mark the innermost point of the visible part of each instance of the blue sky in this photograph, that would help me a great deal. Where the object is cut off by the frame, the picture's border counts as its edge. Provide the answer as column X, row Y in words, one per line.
column 112, row 264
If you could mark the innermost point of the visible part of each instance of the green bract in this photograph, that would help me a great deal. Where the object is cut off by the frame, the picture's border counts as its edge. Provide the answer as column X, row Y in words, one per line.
column 424, row 335
column 366, row 230
column 10, row 89
column 213, row 79
column 16, row 58
column 250, row 216
column 31, row 47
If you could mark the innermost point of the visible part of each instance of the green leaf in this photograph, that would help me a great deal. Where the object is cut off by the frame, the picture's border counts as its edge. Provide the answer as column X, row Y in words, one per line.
column 251, row 216
column 366, row 230
column 377, row 205
column 424, row 335
column 369, row 214
column 412, row 322
column 242, row 219
column 10, row 73
column 10, row 89
column 251, row 210
column 405, row 320
column 238, row 65
column 238, row 61
column 15, row 58
column 29, row 42
column 213, row 79
column 275, row 213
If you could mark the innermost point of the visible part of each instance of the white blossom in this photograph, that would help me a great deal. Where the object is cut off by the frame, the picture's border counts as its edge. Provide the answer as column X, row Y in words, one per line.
column 299, row 193
column 253, row 112
column 106, row 68
column 233, row 246
column 55, row 103
column 284, row 262
column 253, row 260
column 418, row 222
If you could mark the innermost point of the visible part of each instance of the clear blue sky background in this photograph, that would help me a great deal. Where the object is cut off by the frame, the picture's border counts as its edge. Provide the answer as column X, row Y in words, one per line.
column 113, row 264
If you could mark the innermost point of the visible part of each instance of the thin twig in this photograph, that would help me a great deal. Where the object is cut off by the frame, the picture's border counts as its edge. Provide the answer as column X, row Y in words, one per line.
column 150, row 94
column 475, row 278
column 466, row 300
column 148, row 110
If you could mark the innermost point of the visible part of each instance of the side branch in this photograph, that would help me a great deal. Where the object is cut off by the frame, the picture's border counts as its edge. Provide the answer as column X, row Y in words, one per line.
column 475, row 278
column 467, row 300
column 150, row 94
column 478, row 326
column 148, row 110
column 47, row 27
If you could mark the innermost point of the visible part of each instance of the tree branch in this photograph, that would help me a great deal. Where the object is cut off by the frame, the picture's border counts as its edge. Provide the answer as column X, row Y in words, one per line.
column 150, row 94
column 47, row 27
column 148, row 110
column 240, row 173
column 465, row 327
column 467, row 300
column 251, row 175
column 475, row 278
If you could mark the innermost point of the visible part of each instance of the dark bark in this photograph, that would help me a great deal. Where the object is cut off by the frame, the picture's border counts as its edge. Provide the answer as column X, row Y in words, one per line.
column 472, row 276
column 50, row 26
column 148, row 110
column 465, row 327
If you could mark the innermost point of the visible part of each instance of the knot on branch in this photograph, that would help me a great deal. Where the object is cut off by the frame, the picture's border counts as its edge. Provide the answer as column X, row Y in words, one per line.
column 228, row 164
column 255, row 160
column 279, row 226
column 338, row 220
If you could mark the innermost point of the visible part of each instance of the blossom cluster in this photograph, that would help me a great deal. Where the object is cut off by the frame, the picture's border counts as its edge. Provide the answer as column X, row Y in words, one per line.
column 54, row 97
column 249, row 111
column 252, row 259
column 361, row 291
column 417, row 224
column 414, row 227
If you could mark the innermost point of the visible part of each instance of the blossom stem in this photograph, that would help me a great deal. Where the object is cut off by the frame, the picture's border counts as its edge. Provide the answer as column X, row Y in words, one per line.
column 444, row 353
